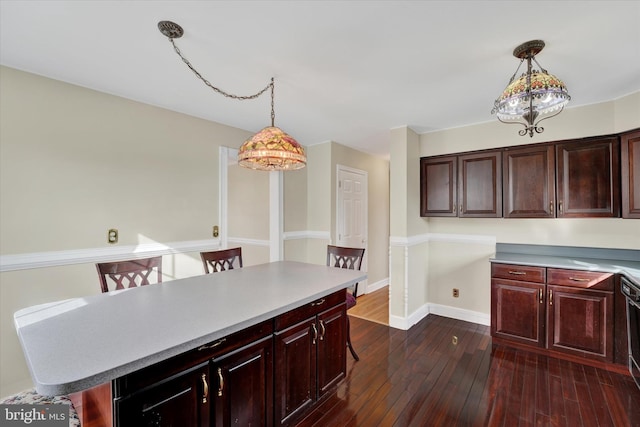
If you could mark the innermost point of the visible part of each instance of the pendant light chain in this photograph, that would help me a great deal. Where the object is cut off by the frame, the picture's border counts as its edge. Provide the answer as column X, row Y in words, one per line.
column 220, row 91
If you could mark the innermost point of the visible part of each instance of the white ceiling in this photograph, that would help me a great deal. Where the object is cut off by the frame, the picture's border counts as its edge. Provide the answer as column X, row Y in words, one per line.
column 345, row 71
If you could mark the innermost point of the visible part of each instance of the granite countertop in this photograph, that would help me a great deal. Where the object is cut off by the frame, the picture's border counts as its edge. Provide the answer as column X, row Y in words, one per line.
column 620, row 261
column 79, row 343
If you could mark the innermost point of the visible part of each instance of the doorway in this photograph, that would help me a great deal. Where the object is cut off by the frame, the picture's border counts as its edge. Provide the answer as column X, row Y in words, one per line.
column 352, row 212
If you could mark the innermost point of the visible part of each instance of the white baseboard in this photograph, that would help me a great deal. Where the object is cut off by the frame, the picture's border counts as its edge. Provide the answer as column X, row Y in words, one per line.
column 440, row 310
column 372, row 287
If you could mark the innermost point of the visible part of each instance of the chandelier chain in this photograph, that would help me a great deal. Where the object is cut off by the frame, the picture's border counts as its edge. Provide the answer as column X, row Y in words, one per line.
column 220, row 91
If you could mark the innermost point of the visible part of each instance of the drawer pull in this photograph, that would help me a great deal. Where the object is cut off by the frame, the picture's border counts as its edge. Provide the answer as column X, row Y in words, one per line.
column 205, row 388
column 320, row 302
column 315, row 333
column 578, row 279
column 221, row 379
column 517, row 273
column 540, row 296
column 210, row 346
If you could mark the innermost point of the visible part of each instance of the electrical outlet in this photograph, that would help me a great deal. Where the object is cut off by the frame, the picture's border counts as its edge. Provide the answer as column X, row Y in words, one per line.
column 216, row 231
column 112, row 235
column 456, row 292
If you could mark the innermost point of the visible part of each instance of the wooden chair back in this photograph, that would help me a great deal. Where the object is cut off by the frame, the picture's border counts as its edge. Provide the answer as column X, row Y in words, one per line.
column 130, row 273
column 343, row 257
column 224, row 259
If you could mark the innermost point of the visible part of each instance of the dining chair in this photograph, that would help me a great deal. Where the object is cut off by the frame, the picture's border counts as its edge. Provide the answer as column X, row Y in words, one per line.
column 221, row 260
column 130, row 273
column 349, row 258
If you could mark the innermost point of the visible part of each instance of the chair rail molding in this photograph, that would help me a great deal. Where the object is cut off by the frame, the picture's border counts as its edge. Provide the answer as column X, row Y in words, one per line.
column 31, row 260
column 442, row 237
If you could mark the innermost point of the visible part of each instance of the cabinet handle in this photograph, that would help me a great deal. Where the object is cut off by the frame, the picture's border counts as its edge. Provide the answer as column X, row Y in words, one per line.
column 550, row 297
column 454, row 208
column 205, row 388
column 578, row 279
column 210, row 346
column 540, row 295
column 560, row 207
column 323, row 330
column 518, row 273
column 315, row 333
column 221, row 380
column 318, row 302
column 551, row 206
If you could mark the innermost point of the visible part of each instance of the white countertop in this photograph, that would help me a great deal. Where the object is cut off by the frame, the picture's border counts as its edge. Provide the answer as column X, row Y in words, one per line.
column 79, row 343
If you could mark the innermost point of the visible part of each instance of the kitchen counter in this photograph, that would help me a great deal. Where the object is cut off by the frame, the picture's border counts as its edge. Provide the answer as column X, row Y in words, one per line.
column 619, row 261
column 76, row 344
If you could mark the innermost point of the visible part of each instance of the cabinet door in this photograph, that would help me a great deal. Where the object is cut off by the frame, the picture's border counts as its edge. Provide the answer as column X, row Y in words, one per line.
column 580, row 322
column 529, row 182
column 587, row 178
column 180, row 400
column 295, row 370
column 438, row 186
column 243, row 384
column 480, row 185
column 332, row 351
column 630, row 170
column 517, row 311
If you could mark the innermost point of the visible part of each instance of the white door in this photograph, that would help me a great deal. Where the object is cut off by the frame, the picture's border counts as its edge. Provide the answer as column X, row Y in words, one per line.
column 352, row 212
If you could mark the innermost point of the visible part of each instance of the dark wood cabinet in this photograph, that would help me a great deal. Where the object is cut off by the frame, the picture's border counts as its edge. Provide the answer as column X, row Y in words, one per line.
column 242, row 388
column 565, row 312
column 630, row 172
column 529, row 182
column 179, row 400
column 480, row 185
column 464, row 186
column 438, row 188
column 517, row 303
column 587, row 178
column 310, row 356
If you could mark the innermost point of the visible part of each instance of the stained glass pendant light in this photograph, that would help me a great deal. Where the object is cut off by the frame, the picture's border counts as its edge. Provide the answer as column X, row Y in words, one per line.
column 535, row 96
column 271, row 149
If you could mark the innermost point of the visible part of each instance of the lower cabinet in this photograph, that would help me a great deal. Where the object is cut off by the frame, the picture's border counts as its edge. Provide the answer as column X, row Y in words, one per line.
column 180, row 400
column 243, row 382
column 563, row 311
column 310, row 356
column 268, row 374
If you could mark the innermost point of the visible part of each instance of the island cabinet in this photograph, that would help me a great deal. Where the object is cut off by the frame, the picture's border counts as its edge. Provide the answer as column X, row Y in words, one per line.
column 310, row 356
column 562, row 312
column 223, row 383
column 630, row 170
column 467, row 185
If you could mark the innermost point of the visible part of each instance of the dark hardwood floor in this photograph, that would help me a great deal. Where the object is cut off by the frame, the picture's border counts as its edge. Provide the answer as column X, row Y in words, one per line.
column 420, row 377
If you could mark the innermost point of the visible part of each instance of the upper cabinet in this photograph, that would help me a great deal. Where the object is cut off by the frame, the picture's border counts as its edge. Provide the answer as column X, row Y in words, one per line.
column 588, row 178
column 564, row 179
column 465, row 186
column 529, row 182
column 630, row 168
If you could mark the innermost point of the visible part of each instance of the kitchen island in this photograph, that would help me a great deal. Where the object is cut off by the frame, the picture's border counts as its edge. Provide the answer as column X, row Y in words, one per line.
column 182, row 326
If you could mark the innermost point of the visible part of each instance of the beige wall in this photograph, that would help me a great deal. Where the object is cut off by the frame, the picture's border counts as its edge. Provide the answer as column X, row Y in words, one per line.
column 76, row 162
column 459, row 248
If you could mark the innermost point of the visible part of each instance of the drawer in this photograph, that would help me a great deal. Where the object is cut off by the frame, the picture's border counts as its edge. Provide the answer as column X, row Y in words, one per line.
column 523, row 273
column 581, row 279
column 309, row 310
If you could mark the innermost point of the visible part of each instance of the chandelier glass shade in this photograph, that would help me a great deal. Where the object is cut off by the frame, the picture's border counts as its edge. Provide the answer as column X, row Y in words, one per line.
column 535, row 96
column 271, row 149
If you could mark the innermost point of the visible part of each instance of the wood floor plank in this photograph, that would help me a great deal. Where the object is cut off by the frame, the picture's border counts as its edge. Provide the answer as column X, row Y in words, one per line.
column 420, row 378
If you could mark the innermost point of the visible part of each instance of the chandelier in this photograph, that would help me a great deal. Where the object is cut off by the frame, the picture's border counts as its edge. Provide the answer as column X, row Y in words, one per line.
column 271, row 149
column 535, row 96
